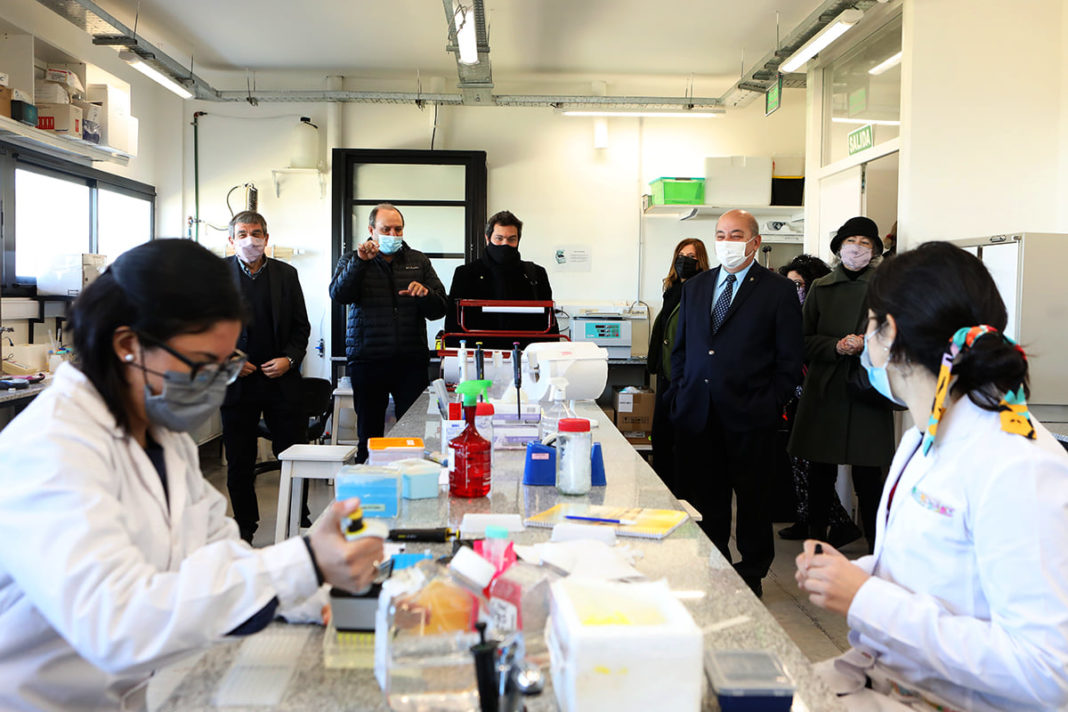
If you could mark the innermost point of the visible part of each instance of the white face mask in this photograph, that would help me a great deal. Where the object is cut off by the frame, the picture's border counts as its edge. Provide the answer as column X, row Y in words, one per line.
column 855, row 257
column 250, row 249
column 731, row 253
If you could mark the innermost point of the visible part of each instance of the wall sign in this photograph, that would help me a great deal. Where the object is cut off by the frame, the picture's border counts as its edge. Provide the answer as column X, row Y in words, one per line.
column 861, row 139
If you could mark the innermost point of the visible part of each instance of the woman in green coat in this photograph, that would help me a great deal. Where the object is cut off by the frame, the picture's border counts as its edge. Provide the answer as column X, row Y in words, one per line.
column 834, row 426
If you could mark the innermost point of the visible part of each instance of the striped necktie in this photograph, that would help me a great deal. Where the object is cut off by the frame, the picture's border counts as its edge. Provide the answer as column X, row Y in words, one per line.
column 723, row 304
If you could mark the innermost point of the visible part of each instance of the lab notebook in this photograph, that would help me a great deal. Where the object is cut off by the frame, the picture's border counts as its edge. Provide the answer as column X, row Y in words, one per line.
column 647, row 523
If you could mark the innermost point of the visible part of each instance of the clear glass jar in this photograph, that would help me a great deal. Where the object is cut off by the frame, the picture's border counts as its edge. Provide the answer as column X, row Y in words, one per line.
column 574, row 447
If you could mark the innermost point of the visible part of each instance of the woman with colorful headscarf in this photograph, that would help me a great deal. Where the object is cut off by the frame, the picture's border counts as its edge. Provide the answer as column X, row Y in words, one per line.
column 964, row 603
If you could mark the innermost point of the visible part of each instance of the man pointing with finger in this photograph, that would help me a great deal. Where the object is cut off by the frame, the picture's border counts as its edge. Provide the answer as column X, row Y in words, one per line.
column 392, row 290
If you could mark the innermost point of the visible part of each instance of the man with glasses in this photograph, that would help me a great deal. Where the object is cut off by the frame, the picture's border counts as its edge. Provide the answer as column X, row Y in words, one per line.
column 392, row 291
column 269, row 383
column 500, row 274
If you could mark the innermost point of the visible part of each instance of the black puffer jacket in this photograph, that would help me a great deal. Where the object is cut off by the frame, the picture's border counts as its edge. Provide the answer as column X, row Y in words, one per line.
column 383, row 324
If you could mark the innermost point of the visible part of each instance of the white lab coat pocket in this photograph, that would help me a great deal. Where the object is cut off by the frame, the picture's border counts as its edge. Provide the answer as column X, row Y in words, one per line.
column 194, row 525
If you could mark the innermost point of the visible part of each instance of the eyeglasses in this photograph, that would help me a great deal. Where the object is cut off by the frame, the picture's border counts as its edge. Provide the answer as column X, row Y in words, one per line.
column 205, row 373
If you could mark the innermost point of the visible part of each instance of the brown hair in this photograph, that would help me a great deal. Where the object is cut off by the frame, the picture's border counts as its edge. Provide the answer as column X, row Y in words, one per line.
column 702, row 260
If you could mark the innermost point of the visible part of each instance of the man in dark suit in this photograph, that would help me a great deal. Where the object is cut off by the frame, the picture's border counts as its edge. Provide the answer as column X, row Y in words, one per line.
column 736, row 362
column 500, row 274
column 275, row 340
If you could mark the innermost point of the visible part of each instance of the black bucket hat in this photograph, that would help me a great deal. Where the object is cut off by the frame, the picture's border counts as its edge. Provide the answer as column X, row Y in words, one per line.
column 862, row 226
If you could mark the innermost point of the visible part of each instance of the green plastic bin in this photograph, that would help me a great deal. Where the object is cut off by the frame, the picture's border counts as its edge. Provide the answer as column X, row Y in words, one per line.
column 678, row 191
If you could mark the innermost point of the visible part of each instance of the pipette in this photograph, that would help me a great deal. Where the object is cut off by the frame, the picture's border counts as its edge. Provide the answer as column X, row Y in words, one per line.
column 480, row 361
column 517, row 376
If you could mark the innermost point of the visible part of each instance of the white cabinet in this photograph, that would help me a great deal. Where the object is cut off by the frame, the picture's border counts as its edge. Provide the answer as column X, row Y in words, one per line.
column 1028, row 269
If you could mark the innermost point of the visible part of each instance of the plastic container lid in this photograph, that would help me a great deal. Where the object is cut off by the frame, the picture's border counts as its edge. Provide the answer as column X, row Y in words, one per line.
column 573, row 425
column 484, row 409
column 470, row 566
column 747, row 673
column 495, row 532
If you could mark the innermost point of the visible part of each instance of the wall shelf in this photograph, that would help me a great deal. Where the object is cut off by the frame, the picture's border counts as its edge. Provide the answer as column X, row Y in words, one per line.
column 59, row 145
column 278, row 173
column 689, row 212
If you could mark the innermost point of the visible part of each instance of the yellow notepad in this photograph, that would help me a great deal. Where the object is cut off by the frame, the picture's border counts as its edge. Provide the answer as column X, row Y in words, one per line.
column 636, row 521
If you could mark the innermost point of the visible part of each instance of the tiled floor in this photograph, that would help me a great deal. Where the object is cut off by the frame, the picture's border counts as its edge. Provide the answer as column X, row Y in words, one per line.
column 818, row 633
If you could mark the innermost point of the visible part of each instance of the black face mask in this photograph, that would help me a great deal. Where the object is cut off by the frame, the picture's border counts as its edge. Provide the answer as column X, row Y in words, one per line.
column 686, row 267
column 503, row 254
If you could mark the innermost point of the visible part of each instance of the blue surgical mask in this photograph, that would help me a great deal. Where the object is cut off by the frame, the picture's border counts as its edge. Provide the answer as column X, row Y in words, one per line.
column 388, row 244
column 183, row 405
column 877, row 375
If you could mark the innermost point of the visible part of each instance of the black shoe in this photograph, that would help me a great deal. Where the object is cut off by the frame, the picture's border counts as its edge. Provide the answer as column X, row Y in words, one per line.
column 247, row 533
column 842, row 534
column 755, row 587
column 794, row 532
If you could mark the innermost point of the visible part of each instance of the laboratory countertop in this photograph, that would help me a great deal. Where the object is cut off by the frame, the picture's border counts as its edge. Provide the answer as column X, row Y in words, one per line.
column 14, row 395
column 718, row 599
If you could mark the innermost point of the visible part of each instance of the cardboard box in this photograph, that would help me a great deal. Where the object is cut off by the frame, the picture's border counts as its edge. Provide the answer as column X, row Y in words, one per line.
column 50, row 93
column 634, row 412
column 67, row 274
column 60, row 118
column 8, row 95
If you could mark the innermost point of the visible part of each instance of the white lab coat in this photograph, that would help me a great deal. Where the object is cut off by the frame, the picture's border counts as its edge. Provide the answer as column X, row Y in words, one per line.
column 101, row 581
column 968, row 603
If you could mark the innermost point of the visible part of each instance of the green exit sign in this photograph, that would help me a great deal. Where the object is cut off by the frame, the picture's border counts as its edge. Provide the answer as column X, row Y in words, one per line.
column 773, row 97
column 861, row 139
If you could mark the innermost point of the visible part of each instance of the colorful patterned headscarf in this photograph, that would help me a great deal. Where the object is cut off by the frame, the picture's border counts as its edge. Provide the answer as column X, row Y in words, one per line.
column 1015, row 418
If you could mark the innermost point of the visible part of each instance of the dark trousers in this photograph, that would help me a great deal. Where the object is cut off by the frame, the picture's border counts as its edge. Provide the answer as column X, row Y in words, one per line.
column 713, row 464
column 867, row 483
column 664, row 437
column 372, row 384
column 287, row 425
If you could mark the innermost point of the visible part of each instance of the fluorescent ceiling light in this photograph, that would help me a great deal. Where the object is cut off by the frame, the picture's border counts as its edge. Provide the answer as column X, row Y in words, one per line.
column 646, row 114
column 891, row 61
column 820, row 41
column 155, row 75
column 863, row 122
column 464, row 19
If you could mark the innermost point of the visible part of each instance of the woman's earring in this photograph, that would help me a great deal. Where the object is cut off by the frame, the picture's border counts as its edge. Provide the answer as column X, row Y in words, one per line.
column 128, row 358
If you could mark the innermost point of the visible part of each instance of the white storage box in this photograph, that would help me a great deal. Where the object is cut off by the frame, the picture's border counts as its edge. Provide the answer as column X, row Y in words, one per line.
column 619, row 647
column 115, row 110
column 738, row 181
column 50, row 93
column 68, row 274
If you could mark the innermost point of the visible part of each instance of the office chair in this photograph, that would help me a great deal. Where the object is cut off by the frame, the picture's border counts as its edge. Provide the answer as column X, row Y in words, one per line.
column 317, row 401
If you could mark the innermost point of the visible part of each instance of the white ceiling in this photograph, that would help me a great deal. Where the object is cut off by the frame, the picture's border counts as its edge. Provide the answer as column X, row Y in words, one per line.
column 390, row 38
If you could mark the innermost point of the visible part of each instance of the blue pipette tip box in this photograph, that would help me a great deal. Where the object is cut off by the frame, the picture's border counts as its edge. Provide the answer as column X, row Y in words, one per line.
column 749, row 681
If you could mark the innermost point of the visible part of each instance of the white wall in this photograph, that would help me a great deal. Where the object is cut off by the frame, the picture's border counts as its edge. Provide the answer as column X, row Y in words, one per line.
column 982, row 147
column 160, row 112
column 241, row 144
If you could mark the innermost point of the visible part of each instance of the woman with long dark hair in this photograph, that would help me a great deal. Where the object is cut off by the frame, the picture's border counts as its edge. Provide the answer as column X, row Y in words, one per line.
column 688, row 259
column 964, row 603
column 118, row 556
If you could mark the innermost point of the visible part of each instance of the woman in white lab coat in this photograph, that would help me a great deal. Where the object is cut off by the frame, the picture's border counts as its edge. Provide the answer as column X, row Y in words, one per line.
column 117, row 556
column 964, row 602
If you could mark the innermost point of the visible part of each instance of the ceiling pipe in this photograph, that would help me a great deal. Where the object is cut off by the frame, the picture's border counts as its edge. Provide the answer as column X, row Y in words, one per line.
column 106, row 30
column 476, row 80
column 763, row 74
